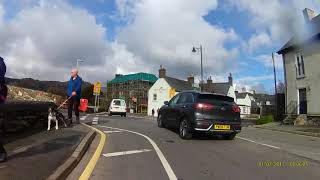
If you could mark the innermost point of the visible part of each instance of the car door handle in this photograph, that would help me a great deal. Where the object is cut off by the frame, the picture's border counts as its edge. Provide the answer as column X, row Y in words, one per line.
column 183, row 106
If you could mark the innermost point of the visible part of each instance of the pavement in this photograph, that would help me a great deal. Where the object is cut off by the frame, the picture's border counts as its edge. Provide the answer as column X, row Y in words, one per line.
column 38, row 156
column 135, row 148
column 301, row 130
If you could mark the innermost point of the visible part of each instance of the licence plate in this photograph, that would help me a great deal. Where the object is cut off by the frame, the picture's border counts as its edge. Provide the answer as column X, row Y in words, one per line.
column 221, row 127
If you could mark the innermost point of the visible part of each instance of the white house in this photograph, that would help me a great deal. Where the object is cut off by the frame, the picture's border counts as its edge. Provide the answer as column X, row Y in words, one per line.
column 244, row 101
column 301, row 60
column 164, row 89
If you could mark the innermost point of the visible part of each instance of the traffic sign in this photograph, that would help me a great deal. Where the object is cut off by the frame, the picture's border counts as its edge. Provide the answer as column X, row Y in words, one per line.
column 172, row 92
column 97, row 88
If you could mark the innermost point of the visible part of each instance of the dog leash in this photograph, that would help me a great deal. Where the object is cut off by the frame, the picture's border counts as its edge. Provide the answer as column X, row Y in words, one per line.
column 64, row 103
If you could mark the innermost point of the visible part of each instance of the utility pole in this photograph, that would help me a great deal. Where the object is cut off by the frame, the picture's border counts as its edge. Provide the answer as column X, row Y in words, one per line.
column 275, row 88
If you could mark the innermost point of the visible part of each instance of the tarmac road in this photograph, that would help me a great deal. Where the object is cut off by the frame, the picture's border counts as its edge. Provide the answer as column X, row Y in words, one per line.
column 137, row 149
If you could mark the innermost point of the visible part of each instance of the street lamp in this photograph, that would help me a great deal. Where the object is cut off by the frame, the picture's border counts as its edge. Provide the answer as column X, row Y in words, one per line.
column 194, row 50
column 79, row 61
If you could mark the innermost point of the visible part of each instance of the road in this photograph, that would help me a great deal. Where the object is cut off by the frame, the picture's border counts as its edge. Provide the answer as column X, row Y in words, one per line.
column 137, row 149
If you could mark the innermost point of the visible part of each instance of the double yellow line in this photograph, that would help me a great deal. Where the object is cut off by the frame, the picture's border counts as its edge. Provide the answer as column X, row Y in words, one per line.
column 93, row 161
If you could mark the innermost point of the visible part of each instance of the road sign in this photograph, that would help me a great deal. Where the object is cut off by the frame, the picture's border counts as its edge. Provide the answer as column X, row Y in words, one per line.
column 97, row 88
column 134, row 99
column 172, row 92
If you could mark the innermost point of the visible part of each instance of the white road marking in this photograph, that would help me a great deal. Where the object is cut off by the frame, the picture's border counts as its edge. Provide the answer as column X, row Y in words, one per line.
column 1, row 167
column 263, row 144
column 107, row 132
column 163, row 160
column 83, row 118
column 125, row 153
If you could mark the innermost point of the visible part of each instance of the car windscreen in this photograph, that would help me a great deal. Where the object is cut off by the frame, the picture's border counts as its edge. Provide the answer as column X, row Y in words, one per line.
column 117, row 102
column 215, row 99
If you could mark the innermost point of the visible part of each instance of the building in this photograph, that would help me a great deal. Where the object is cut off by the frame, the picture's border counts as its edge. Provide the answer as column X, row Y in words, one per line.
column 165, row 88
column 133, row 88
column 245, row 102
column 301, row 59
column 224, row 88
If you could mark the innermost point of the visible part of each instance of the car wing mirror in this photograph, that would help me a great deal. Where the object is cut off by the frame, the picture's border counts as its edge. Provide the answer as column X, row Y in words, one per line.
column 166, row 103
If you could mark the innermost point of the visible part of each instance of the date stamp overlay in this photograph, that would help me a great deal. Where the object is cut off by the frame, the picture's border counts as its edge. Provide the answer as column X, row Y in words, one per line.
column 283, row 164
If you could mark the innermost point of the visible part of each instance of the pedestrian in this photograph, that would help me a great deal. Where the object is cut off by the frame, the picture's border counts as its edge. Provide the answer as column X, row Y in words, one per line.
column 74, row 95
column 3, row 96
column 152, row 112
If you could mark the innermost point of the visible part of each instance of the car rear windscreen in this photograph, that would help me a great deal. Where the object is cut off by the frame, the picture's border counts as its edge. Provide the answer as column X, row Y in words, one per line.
column 212, row 98
column 117, row 102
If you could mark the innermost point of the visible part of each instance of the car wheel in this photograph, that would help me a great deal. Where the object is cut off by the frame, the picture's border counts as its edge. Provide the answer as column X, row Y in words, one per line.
column 160, row 122
column 229, row 136
column 185, row 129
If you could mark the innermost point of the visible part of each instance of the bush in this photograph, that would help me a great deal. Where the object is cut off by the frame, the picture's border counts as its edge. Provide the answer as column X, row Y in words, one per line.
column 265, row 119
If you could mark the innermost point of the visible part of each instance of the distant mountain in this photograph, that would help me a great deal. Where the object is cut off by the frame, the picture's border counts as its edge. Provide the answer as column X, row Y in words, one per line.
column 53, row 87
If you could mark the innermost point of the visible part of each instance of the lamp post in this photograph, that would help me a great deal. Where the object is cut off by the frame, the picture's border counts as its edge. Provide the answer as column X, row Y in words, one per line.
column 79, row 61
column 194, row 50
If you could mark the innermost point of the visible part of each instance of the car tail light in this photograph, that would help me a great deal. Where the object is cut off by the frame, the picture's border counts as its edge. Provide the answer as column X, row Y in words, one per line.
column 203, row 106
column 236, row 108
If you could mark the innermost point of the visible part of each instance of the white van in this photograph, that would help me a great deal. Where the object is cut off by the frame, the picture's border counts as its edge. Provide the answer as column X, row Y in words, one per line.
column 118, row 107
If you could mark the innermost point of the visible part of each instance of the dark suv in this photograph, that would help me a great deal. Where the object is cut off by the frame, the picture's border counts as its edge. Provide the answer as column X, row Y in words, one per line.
column 193, row 111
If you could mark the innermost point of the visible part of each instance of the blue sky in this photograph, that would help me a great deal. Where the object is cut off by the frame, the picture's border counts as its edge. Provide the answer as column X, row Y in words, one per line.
column 127, row 36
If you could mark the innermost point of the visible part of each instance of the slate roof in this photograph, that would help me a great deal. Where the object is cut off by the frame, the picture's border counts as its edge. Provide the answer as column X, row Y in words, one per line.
column 264, row 98
column 178, row 84
column 219, row 88
column 134, row 77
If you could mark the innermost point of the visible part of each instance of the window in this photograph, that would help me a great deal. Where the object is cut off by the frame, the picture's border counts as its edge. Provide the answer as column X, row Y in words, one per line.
column 300, row 65
column 174, row 100
column 155, row 97
column 244, row 109
column 186, row 98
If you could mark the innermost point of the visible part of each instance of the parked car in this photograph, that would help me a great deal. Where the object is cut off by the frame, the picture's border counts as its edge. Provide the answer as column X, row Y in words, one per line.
column 194, row 111
column 118, row 107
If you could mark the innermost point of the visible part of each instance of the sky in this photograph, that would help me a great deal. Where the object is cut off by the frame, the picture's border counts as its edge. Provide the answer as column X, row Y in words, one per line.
column 42, row 39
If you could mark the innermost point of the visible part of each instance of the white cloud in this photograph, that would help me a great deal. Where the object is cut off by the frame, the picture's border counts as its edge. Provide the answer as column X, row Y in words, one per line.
column 252, row 83
column 279, row 19
column 44, row 41
column 266, row 60
column 163, row 32
column 258, row 40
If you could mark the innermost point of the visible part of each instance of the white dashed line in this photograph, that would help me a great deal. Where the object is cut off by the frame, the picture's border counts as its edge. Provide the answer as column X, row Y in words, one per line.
column 125, row 153
column 95, row 120
column 263, row 144
column 163, row 160
column 83, row 118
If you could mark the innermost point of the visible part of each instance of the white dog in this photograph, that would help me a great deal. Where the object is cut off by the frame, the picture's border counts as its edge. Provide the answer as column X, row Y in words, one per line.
column 52, row 117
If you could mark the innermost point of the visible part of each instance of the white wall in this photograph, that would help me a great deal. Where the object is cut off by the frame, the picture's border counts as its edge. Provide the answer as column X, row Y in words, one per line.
column 244, row 104
column 161, row 88
column 310, row 81
column 231, row 93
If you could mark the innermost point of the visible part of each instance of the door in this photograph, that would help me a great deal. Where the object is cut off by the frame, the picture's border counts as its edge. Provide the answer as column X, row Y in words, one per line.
column 303, row 101
column 184, row 108
column 170, row 114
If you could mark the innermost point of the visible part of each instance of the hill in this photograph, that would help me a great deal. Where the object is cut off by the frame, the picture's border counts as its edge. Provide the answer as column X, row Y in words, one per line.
column 52, row 87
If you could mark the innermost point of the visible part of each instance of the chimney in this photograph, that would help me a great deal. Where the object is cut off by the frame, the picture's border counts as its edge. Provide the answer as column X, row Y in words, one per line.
column 230, row 80
column 190, row 79
column 308, row 14
column 162, row 72
column 209, row 80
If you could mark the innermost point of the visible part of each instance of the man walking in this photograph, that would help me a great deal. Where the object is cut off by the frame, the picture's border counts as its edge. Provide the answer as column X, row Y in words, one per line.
column 74, row 95
column 3, row 96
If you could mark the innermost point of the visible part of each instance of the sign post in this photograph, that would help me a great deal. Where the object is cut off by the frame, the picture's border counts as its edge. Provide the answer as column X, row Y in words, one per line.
column 96, row 93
